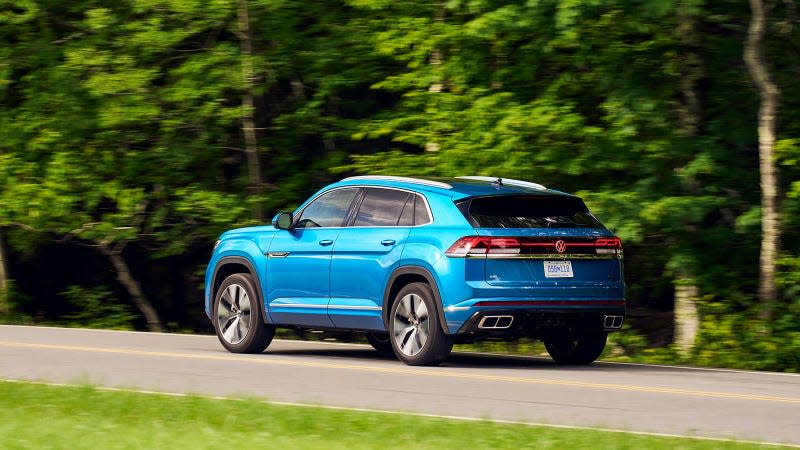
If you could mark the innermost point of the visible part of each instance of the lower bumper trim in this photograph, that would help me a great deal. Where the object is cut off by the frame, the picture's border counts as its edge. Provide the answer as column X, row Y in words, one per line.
column 550, row 303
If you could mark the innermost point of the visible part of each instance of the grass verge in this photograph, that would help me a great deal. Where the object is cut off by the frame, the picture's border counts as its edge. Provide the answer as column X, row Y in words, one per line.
column 43, row 416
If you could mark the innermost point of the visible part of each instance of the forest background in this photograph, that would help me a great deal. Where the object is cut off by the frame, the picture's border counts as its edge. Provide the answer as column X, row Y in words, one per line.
column 133, row 132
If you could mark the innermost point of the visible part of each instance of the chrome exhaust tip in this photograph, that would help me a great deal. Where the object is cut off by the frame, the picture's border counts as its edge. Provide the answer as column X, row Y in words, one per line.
column 495, row 322
column 613, row 322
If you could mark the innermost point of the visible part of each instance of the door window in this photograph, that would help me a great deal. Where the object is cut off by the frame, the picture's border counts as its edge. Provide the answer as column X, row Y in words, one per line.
column 383, row 208
column 327, row 210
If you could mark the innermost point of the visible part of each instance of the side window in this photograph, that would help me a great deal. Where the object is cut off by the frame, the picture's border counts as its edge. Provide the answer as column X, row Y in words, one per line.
column 407, row 216
column 328, row 210
column 421, row 216
column 381, row 208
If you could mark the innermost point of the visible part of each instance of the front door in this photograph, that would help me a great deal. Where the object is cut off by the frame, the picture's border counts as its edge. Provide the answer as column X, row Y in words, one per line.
column 299, row 261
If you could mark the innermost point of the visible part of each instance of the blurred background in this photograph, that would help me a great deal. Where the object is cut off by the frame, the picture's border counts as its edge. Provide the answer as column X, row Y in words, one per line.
column 133, row 132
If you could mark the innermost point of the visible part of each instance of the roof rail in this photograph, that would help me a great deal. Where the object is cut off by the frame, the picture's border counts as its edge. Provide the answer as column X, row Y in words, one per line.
column 506, row 181
column 438, row 184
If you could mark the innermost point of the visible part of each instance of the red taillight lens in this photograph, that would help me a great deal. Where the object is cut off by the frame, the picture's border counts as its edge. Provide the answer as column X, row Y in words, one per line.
column 504, row 246
column 466, row 245
column 479, row 245
column 608, row 245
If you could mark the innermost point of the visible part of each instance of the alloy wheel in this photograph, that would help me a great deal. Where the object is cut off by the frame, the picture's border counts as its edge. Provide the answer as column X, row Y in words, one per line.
column 233, row 317
column 411, row 327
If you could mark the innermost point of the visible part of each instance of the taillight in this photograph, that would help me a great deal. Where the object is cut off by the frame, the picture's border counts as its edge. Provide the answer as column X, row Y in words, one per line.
column 488, row 246
column 608, row 246
column 479, row 245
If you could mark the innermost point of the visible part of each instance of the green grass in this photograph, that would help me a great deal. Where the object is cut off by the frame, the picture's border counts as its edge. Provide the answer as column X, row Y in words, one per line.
column 42, row 416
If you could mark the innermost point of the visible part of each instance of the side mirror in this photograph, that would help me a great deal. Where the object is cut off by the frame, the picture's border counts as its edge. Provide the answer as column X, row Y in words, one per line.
column 283, row 221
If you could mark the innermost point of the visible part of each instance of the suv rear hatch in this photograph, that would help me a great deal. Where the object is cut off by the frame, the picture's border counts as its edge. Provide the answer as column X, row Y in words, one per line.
column 543, row 240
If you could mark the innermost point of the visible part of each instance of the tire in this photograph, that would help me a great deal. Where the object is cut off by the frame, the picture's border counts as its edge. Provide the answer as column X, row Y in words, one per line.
column 237, row 316
column 380, row 342
column 416, row 334
column 576, row 350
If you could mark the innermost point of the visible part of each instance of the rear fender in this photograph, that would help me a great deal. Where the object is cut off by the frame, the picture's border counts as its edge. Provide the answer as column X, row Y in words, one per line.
column 420, row 272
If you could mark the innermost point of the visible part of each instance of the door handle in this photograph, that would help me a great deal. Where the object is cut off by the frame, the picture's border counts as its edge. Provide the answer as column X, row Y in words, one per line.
column 325, row 242
column 387, row 242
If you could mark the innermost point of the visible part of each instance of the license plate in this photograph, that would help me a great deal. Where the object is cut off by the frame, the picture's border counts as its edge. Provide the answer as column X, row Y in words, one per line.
column 558, row 269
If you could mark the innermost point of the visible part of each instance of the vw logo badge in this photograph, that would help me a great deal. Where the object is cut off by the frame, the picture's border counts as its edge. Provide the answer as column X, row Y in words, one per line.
column 561, row 246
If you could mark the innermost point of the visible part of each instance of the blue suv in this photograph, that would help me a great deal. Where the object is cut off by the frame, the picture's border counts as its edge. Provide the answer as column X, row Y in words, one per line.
column 418, row 264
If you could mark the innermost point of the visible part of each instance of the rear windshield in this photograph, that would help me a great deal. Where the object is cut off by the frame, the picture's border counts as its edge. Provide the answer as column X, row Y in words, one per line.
column 528, row 211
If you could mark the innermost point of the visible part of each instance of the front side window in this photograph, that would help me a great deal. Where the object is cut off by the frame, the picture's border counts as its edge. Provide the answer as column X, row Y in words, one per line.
column 383, row 208
column 327, row 210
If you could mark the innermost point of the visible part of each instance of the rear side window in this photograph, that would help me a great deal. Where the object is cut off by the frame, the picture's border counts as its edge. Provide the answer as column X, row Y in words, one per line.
column 421, row 216
column 528, row 211
column 382, row 208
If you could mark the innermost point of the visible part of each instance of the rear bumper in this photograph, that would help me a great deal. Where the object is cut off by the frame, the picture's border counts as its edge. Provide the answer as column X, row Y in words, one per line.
column 536, row 322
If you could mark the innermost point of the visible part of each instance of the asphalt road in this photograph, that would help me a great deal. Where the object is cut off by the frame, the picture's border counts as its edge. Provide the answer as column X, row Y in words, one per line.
column 757, row 406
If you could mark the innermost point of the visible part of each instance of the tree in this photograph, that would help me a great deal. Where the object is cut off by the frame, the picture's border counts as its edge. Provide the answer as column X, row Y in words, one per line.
column 769, row 95
column 248, row 122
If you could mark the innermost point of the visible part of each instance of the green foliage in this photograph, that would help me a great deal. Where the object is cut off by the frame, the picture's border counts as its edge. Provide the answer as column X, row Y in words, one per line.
column 732, row 338
column 15, row 298
column 95, row 307
column 121, row 122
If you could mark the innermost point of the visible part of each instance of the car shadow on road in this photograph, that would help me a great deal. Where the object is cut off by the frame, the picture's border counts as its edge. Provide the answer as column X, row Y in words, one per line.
column 365, row 354
column 477, row 360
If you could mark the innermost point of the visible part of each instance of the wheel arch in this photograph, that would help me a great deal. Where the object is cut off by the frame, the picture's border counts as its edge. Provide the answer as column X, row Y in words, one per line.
column 230, row 265
column 403, row 276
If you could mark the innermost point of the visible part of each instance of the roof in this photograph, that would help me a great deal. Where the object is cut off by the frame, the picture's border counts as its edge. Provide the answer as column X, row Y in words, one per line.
column 458, row 187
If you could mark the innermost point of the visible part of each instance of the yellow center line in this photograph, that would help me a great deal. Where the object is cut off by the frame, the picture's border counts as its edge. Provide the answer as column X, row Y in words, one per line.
column 442, row 373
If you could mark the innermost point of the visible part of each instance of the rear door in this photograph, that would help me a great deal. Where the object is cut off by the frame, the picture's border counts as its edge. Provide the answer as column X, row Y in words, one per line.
column 364, row 255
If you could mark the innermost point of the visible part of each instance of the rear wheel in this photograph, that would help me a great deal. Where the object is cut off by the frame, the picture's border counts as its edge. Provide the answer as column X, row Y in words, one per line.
column 380, row 342
column 582, row 348
column 237, row 316
column 416, row 333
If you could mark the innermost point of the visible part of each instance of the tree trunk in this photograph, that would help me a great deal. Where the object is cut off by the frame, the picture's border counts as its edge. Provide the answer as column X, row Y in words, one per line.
column 134, row 289
column 769, row 95
column 4, row 306
column 692, row 70
column 248, row 120
column 687, row 321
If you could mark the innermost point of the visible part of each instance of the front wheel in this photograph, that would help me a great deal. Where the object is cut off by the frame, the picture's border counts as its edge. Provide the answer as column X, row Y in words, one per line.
column 415, row 330
column 578, row 349
column 237, row 316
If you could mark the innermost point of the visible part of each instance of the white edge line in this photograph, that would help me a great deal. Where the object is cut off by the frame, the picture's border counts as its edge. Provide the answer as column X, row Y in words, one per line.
column 505, row 355
column 404, row 413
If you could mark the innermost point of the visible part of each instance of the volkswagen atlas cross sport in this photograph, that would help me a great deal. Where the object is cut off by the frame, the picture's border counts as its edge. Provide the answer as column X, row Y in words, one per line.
column 418, row 264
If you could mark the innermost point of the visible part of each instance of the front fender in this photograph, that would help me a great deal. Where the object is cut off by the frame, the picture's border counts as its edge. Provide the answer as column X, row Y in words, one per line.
column 242, row 252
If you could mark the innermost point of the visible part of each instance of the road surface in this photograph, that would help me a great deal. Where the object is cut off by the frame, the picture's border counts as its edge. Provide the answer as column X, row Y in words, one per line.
column 758, row 406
